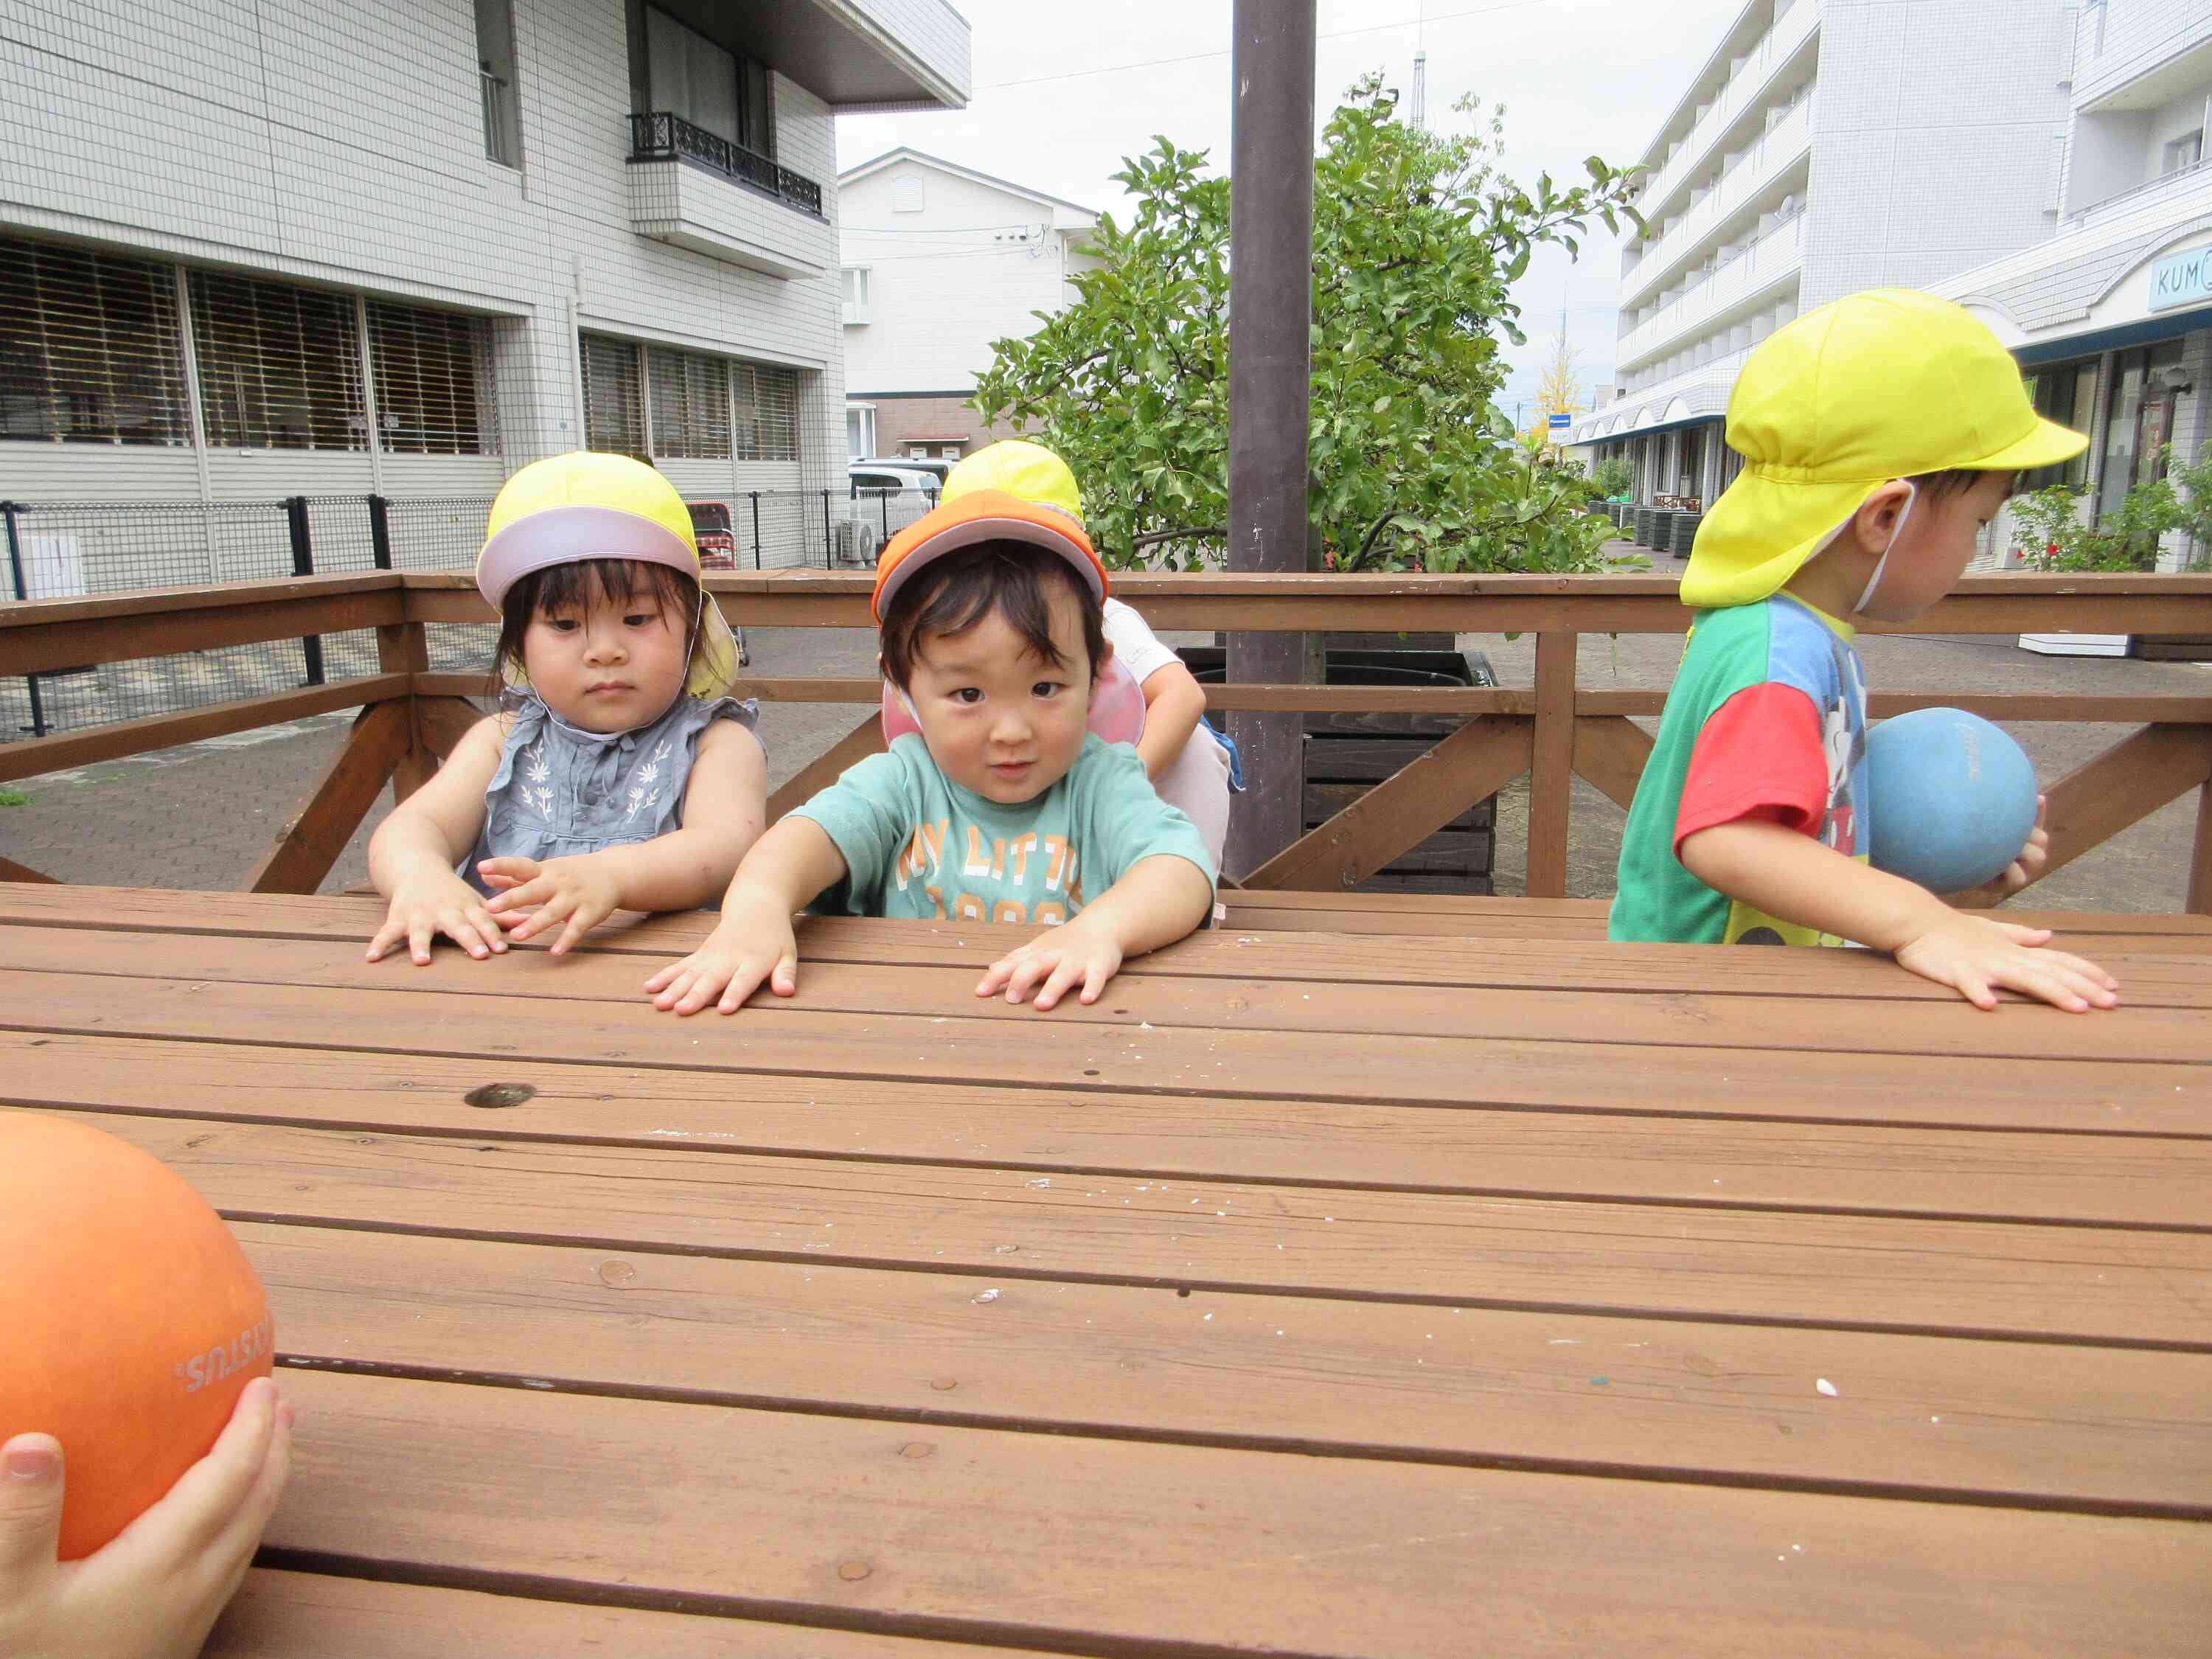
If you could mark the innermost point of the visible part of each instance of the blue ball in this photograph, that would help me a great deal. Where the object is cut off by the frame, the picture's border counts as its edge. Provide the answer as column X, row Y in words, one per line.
column 1953, row 799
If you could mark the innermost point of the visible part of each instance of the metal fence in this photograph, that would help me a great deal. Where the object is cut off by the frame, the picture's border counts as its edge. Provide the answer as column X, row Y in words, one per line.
column 73, row 548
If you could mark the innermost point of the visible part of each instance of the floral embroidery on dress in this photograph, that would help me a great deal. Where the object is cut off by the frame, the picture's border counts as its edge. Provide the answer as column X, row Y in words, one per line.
column 648, row 780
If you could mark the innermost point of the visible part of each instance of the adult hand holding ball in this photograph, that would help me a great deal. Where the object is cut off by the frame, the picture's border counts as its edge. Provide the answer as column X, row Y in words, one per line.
column 1953, row 799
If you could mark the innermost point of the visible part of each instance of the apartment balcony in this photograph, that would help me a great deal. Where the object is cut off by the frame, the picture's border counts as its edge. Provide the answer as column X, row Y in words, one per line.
column 1747, row 89
column 694, row 189
column 1764, row 266
column 1770, row 158
column 2151, row 195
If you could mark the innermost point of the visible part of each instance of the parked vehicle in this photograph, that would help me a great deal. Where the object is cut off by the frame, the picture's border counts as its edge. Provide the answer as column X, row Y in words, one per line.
column 911, row 464
column 883, row 497
column 715, row 531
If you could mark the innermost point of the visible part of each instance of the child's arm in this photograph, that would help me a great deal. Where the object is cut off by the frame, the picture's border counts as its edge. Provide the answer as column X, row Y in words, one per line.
column 154, row 1591
column 1157, row 901
column 725, row 804
column 1791, row 876
column 754, row 940
column 1174, row 701
column 412, row 854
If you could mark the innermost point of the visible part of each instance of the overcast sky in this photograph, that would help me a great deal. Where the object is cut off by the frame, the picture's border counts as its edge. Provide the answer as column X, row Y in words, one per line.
column 1052, row 111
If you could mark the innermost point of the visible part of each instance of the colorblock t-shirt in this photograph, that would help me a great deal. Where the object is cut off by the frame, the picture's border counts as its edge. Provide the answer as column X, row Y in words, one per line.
column 1767, row 720
column 919, row 846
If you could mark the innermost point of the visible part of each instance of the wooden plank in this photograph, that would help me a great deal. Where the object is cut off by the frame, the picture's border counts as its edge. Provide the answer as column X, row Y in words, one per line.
column 609, row 982
column 36, row 615
column 11, row 871
column 1910, row 1276
column 1552, row 767
column 440, row 723
column 1109, row 1547
column 2114, row 710
column 2128, row 782
column 1096, row 1058
column 120, row 737
column 286, row 1615
column 305, row 848
column 2200, row 855
column 404, row 648
column 1405, row 810
column 2115, row 1179
column 2115, row 1431
column 1329, row 955
column 120, row 636
column 863, row 740
column 1610, row 755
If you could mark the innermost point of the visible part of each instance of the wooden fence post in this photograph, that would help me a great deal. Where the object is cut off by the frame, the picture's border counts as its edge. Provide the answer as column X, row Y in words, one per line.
column 1551, row 773
column 404, row 648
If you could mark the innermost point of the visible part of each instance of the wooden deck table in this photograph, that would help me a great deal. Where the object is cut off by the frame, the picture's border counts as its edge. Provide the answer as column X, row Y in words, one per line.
column 1392, row 1277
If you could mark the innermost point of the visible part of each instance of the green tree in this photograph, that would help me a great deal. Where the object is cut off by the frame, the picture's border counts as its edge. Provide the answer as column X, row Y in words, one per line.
column 1417, row 238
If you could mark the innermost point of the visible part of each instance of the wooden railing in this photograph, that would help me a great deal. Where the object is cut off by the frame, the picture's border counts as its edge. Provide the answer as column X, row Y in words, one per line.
column 1553, row 730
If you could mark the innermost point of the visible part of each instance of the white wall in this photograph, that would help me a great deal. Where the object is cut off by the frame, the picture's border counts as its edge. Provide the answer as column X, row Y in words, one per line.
column 944, row 281
column 341, row 141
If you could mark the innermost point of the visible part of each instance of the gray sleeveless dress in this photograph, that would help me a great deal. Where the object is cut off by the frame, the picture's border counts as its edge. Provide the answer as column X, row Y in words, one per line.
column 560, row 791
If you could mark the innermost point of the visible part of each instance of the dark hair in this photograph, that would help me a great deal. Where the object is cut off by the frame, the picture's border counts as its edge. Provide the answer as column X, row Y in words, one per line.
column 1937, row 486
column 952, row 594
column 572, row 586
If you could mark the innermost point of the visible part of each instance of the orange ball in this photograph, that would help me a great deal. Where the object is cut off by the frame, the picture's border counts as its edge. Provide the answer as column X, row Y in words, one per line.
column 129, row 1319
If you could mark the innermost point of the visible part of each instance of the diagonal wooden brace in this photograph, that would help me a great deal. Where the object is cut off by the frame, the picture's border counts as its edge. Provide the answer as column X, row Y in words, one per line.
column 2125, row 784
column 1611, row 751
column 310, row 844
column 863, row 740
column 1406, row 808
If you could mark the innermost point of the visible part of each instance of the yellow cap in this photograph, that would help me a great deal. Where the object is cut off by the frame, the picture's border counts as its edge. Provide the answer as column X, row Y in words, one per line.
column 587, row 506
column 1878, row 386
column 1019, row 468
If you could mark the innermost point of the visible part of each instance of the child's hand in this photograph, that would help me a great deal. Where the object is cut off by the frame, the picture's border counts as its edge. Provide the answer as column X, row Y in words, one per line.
column 432, row 902
column 154, row 1591
column 2018, row 874
column 753, row 942
column 1053, row 963
column 1973, row 954
column 580, row 891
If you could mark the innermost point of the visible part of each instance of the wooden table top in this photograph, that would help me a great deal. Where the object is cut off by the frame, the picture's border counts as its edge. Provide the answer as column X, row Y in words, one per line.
column 1392, row 1277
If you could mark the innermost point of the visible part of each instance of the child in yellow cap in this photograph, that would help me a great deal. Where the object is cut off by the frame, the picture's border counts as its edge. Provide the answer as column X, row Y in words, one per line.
column 1879, row 435
column 621, row 775
column 1003, row 806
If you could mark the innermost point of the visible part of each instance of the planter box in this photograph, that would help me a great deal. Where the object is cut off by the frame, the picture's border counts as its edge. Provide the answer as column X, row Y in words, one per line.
column 2075, row 644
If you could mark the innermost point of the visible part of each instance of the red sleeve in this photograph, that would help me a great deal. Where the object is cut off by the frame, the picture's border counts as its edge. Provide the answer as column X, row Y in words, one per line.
column 1758, row 756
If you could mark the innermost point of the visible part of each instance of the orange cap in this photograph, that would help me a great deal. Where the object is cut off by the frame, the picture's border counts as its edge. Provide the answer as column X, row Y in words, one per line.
column 983, row 516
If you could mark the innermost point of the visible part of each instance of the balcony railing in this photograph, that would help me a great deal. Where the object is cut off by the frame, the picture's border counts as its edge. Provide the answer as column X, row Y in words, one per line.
column 1752, row 267
column 2138, row 195
column 663, row 136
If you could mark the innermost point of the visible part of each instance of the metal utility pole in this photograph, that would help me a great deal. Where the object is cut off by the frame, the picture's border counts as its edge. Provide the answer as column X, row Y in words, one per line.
column 1271, row 148
column 1420, row 88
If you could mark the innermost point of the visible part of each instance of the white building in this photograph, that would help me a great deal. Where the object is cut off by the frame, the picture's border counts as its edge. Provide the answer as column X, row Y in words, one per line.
column 252, row 250
column 1827, row 147
column 2112, row 318
column 940, row 261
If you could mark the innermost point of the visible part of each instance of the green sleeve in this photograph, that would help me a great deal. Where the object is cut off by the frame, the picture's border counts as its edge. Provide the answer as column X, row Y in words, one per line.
column 869, row 812
column 1128, row 820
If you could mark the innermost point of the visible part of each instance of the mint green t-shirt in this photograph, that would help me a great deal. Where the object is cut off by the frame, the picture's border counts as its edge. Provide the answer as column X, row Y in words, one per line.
column 917, row 845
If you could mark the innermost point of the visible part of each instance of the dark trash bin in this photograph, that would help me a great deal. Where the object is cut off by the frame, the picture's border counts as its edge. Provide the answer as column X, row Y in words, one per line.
column 1685, row 533
column 1347, row 755
column 1660, row 527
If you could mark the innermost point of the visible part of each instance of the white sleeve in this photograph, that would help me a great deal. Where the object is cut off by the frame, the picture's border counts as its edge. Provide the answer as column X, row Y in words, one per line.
column 1134, row 643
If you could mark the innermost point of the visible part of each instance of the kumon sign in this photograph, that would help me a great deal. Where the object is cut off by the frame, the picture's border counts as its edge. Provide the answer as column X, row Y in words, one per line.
column 2181, row 279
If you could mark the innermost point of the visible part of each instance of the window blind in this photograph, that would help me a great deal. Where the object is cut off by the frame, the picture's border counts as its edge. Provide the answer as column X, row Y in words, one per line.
column 90, row 347
column 614, row 409
column 433, row 385
column 280, row 365
column 767, row 399
column 690, row 396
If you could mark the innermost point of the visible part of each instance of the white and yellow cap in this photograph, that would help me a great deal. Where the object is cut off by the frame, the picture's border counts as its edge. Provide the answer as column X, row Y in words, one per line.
column 582, row 506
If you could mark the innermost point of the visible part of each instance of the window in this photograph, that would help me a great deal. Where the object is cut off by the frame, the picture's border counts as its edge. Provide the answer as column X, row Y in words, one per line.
column 767, row 424
column 2067, row 395
column 432, row 372
column 691, row 398
column 2184, row 152
column 906, row 193
column 614, row 407
column 856, row 293
column 502, row 132
column 280, row 365
column 90, row 347
column 860, row 432
column 706, row 84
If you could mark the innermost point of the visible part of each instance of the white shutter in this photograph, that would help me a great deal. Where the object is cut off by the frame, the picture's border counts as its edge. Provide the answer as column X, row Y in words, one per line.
column 767, row 399
column 90, row 347
column 280, row 365
column 433, row 386
column 614, row 411
column 691, row 395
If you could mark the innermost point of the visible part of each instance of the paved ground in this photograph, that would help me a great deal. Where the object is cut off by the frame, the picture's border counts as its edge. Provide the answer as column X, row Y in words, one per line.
column 200, row 816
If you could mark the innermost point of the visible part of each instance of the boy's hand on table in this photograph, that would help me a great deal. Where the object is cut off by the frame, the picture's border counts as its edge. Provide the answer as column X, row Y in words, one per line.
column 1055, row 962
column 1974, row 956
column 753, row 943
column 432, row 901
column 579, row 891
column 154, row 1591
